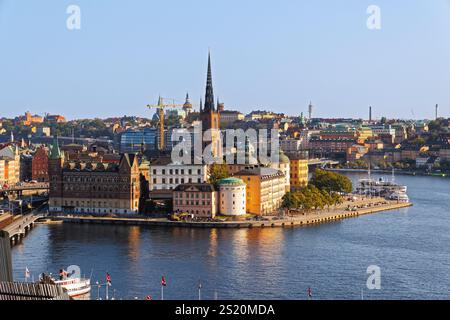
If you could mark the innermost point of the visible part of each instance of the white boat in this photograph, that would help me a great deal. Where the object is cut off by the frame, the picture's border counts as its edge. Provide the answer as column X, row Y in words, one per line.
column 76, row 287
column 399, row 196
column 383, row 188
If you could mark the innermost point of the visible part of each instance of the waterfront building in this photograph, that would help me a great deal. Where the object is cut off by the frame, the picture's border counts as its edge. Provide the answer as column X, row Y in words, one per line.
column 166, row 175
column 299, row 172
column 265, row 189
column 198, row 199
column 80, row 187
column 232, row 197
column 39, row 165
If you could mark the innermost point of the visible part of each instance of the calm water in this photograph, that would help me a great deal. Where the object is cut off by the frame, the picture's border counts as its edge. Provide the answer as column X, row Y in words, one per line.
column 411, row 246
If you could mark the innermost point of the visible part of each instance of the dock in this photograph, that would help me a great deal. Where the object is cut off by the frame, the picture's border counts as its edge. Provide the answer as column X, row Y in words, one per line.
column 298, row 221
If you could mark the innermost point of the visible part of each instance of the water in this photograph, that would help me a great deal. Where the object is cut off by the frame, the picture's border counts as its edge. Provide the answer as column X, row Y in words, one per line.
column 411, row 246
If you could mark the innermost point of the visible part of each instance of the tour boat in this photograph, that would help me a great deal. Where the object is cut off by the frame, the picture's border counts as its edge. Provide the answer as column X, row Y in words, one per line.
column 76, row 287
column 383, row 188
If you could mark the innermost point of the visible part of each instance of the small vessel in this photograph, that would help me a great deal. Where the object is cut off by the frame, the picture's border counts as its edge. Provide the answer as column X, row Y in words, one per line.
column 76, row 286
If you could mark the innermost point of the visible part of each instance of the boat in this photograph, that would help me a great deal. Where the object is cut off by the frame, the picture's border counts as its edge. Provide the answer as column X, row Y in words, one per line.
column 76, row 287
column 383, row 188
column 399, row 196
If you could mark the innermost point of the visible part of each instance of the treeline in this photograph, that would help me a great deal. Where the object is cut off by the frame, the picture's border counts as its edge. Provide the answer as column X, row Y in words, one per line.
column 324, row 191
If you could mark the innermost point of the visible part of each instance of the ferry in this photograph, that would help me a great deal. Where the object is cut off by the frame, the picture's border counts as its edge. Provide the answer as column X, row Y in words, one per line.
column 383, row 188
column 76, row 287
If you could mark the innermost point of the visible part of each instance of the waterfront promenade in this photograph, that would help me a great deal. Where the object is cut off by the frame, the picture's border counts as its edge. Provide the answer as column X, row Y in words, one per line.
column 366, row 206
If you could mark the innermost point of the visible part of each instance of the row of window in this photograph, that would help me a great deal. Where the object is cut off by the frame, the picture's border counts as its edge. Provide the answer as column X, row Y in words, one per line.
column 192, row 203
column 177, row 171
column 176, row 180
column 192, row 195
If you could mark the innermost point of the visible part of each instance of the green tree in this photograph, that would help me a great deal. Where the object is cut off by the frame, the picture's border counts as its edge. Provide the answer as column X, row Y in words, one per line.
column 218, row 172
column 290, row 201
column 331, row 181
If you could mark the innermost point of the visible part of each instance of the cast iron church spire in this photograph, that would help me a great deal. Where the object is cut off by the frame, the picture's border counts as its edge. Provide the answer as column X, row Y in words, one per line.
column 209, row 97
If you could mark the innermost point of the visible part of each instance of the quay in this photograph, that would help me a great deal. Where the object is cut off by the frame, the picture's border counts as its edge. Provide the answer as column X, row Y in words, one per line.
column 309, row 219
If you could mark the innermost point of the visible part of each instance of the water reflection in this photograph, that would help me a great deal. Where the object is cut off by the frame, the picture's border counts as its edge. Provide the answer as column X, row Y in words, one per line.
column 411, row 246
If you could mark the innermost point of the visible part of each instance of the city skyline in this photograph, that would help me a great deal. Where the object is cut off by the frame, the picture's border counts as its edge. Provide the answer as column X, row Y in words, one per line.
column 110, row 66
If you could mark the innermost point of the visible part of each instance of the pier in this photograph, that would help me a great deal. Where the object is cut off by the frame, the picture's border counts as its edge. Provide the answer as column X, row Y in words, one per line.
column 287, row 222
column 20, row 227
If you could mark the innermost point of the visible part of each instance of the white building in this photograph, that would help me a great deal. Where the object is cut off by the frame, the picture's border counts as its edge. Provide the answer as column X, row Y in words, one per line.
column 232, row 197
column 165, row 175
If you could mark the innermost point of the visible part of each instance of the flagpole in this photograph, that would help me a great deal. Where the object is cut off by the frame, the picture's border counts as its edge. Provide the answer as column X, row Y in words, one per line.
column 162, row 292
column 107, row 285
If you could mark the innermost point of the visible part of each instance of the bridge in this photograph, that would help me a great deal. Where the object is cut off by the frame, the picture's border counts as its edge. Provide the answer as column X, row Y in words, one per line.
column 20, row 227
column 28, row 186
column 26, row 189
column 322, row 162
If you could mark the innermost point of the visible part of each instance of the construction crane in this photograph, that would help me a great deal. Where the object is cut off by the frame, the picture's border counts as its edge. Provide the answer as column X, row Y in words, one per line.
column 161, row 106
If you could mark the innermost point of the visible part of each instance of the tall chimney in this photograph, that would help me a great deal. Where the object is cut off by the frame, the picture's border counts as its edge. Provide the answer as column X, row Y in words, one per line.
column 370, row 114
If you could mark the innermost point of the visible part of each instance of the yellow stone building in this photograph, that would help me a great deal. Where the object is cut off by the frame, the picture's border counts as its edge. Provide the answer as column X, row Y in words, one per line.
column 265, row 189
column 299, row 173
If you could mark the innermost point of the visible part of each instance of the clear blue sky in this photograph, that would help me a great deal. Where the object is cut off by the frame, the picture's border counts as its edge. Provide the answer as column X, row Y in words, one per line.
column 274, row 55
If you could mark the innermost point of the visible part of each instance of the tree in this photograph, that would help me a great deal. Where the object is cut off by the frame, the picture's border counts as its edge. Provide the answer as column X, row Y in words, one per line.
column 290, row 201
column 331, row 182
column 218, row 172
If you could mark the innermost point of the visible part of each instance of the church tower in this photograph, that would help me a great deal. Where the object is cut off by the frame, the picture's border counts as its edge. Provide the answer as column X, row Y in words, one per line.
column 210, row 117
column 55, row 167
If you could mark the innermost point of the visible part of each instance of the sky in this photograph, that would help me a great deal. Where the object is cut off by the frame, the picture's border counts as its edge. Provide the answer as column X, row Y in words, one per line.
column 273, row 55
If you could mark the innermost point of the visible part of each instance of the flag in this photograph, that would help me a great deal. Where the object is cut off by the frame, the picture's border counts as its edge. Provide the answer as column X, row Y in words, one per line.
column 108, row 279
column 163, row 281
column 27, row 273
column 309, row 292
column 148, row 298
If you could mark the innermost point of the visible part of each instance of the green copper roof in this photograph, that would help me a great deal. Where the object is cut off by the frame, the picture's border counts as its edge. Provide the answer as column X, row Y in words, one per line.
column 55, row 152
column 231, row 181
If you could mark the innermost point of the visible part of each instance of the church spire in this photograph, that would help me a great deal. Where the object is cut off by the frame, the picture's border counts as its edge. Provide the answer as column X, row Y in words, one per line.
column 55, row 152
column 209, row 96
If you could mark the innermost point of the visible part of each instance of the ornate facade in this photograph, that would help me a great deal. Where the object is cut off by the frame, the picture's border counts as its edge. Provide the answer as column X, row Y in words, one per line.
column 80, row 187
